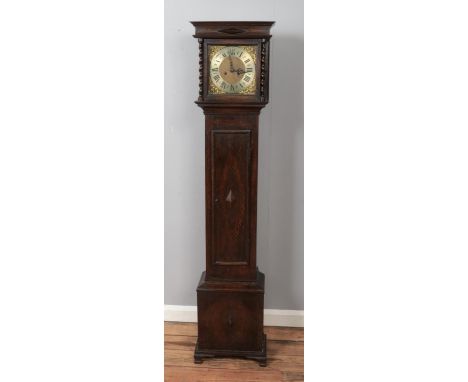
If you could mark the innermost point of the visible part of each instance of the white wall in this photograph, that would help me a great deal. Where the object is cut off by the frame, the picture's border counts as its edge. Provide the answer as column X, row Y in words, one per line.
column 280, row 247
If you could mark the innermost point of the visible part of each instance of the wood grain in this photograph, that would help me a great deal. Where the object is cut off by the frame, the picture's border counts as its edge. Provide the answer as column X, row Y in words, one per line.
column 201, row 374
column 231, row 156
column 285, row 358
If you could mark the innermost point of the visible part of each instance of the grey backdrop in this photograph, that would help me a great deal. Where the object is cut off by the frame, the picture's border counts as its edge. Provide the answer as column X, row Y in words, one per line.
column 280, row 231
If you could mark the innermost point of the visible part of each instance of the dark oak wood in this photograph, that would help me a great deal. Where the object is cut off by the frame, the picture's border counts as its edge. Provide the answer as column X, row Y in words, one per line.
column 230, row 319
column 231, row 146
column 232, row 29
column 231, row 292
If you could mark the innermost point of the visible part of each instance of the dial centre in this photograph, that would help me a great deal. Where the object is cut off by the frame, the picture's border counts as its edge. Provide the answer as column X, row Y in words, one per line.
column 232, row 69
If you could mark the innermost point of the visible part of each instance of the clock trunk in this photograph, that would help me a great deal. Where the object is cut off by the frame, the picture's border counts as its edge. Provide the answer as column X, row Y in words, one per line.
column 231, row 195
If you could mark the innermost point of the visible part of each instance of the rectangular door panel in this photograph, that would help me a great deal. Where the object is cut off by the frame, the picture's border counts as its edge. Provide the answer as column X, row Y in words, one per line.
column 230, row 196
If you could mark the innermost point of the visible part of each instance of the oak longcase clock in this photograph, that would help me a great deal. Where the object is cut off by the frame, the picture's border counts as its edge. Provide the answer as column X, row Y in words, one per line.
column 233, row 88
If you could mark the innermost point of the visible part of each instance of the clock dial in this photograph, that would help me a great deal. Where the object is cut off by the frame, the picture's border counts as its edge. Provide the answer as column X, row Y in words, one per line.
column 232, row 70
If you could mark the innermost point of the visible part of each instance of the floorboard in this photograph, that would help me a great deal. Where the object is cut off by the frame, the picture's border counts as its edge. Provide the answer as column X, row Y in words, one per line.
column 285, row 358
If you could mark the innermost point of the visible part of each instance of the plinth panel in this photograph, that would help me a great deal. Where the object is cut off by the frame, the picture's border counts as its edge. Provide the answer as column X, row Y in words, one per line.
column 229, row 320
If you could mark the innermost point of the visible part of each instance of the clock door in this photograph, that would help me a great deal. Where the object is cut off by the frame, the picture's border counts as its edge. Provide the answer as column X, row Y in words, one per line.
column 231, row 196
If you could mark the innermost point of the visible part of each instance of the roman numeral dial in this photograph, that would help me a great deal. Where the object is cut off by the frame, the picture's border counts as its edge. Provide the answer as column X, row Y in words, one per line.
column 232, row 69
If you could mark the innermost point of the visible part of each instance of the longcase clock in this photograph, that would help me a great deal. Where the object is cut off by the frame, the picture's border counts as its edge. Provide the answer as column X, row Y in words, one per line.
column 233, row 88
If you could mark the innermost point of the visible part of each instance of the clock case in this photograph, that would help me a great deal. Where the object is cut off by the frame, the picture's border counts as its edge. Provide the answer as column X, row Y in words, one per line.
column 230, row 293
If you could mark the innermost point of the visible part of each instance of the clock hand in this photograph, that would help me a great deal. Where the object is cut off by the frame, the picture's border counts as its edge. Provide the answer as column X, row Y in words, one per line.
column 232, row 66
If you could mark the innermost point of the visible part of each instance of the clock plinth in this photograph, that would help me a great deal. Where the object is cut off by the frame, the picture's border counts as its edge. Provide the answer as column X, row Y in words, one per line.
column 233, row 89
column 230, row 319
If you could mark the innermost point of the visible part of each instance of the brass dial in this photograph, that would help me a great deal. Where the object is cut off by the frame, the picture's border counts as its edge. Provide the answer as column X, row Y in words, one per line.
column 232, row 70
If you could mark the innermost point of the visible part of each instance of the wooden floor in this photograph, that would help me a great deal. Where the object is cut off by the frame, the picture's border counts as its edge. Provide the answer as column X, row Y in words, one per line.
column 285, row 351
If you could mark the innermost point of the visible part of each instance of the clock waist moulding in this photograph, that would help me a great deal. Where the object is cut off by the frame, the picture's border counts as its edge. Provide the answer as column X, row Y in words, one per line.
column 233, row 88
